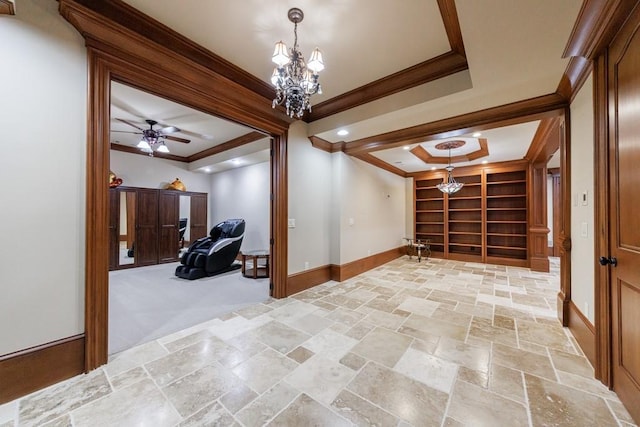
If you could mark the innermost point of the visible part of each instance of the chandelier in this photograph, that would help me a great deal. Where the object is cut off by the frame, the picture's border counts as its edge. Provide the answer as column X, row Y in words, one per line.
column 450, row 185
column 294, row 79
column 153, row 139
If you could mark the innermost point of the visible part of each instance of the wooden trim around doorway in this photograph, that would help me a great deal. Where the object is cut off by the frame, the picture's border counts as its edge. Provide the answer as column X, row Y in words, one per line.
column 583, row 331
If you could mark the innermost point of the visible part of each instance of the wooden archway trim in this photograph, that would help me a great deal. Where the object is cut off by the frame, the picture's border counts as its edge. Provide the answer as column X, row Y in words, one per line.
column 116, row 53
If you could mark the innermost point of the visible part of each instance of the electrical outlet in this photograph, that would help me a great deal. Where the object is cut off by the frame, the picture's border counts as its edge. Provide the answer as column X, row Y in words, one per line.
column 584, row 229
column 306, row 265
column 292, row 223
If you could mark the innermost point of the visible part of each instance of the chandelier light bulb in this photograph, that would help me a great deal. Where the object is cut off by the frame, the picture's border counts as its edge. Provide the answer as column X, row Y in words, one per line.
column 450, row 185
column 163, row 148
column 294, row 79
column 144, row 145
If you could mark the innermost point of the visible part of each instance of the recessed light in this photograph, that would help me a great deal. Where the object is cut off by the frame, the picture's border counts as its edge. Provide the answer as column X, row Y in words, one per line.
column 484, row 162
column 476, row 134
column 433, row 168
column 406, row 147
column 235, row 161
column 343, row 132
column 207, row 170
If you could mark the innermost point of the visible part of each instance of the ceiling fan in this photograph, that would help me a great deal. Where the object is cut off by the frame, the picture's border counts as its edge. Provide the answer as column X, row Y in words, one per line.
column 154, row 138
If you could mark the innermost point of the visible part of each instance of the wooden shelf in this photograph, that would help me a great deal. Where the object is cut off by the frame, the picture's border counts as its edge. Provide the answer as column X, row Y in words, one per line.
column 485, row 221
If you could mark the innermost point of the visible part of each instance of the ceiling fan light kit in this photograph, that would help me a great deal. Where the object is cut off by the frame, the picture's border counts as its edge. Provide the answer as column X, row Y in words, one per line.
column 154, row 139
column 295, row 80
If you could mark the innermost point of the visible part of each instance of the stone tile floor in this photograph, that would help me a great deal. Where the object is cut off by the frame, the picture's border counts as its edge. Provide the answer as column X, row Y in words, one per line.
column 435, row 343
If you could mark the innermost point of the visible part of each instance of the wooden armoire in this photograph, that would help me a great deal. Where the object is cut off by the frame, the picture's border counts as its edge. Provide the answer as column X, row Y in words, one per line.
column 144, row 224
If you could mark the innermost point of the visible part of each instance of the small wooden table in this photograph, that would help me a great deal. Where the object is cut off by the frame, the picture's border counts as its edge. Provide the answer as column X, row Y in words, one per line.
column 258, row 268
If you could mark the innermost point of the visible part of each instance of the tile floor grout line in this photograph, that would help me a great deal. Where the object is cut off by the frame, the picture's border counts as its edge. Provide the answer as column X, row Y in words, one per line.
column 526, row 399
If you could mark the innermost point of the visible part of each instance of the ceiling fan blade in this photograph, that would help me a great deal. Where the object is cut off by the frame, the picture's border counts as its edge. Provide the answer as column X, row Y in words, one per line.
column 175, row 138
column 169, row 129
column 129, row 123
column 126, row 131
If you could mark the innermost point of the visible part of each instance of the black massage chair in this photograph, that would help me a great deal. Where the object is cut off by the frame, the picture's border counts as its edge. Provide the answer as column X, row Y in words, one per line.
column 214, row 254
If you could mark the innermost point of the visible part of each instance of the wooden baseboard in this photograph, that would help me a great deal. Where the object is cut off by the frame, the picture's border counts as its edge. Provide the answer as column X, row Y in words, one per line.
column 32, row 369
column 307, row 279
column 539, row 264
column 583, row 331
column 346, row 271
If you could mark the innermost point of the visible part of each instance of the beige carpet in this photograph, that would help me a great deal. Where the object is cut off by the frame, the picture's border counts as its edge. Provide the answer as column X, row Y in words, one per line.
column 146, row 303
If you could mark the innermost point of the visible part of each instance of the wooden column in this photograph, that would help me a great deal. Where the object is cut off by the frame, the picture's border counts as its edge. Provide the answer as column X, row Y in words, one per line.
column 538, row 229
column 564, row 217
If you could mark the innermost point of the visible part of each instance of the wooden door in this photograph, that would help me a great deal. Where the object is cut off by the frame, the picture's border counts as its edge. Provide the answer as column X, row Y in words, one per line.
column 624, row 215
column 146, row 243
column 198, row 216
column 114, row 238
column 168, row 212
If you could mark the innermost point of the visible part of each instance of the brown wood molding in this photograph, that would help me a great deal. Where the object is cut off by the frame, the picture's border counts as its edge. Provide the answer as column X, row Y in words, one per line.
column 118, row 30
column 28, row 370
column 134, row 150
column 373, row 160
column 597, row 23
column 506, row 166
column 452, row 25
column 116, row 53
column 324, row 145
column 426, row 157
column 7, row 8
column 232, row 143
column 602, row 276
column 427, row 71
column 298, row 282
column 504, row 115
column 584, row 332
column 120, row 13
column 574, row 77
column 546, row 141
column 279, row 216
column 351, row 269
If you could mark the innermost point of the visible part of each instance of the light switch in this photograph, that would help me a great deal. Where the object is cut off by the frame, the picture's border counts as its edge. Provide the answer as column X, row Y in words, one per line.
column 292, row 223
column 585, row 198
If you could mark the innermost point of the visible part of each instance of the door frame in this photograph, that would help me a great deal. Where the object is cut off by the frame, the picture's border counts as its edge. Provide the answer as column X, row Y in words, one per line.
column 123, row 45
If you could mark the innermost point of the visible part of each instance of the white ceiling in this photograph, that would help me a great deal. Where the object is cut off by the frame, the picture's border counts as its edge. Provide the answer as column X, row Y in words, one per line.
column 513, row 49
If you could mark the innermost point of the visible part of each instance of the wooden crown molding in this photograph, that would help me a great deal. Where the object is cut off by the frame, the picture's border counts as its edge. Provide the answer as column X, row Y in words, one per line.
column 574, row 77
column 116, row 29
column 232, row 143
column 324, row 145
column 452, row 25
column 134, row 150
column 545, row 141
column 597, row 23
column 504, row 115
column 427, row 71
column 373, row 160
column 426, row 157
column 131, row 18
column 7, row 8
column 430, row 70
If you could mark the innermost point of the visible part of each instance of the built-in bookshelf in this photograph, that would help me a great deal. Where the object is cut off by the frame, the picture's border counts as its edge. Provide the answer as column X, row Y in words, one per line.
column 429, row 214
column 486, row 221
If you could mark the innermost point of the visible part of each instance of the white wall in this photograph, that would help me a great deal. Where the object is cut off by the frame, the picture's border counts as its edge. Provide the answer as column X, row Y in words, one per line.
column 372, row 211
column 310, row 181
column 43, row 141
column 244, row 193
column 582, row 216
column 153, row 172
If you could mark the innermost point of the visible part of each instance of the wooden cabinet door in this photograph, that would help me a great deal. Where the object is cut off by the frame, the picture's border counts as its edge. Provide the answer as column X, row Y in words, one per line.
column 624, row 199
column 168, row 211
column 114, row 238
column 146, row 227
column 198, row 216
